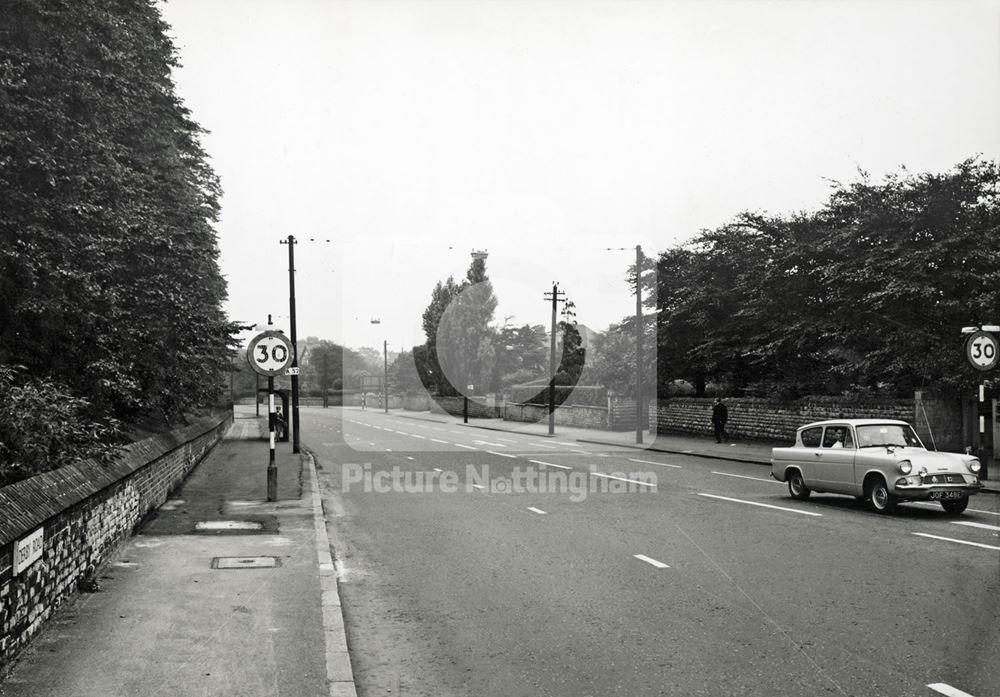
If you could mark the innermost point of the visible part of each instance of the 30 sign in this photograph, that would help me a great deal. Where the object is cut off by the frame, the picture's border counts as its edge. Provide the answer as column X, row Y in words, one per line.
column 269, row 353
column 981, row 350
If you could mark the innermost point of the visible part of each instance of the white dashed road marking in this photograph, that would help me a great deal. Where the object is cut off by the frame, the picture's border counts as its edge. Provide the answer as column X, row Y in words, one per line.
column 468, row 447
column 622, row 479
column 539, row 511
column 948, row 690
column 550, row 464
column 657, row 564
column 650, row 462
column 982, row 526
column 961, row 542
column 493, row 452
column 743, row 476
column 762, row 505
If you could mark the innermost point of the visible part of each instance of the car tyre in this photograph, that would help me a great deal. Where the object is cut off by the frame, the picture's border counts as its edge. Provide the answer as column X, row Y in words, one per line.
column 955, row 506
column 797, row 486
column 879, row 497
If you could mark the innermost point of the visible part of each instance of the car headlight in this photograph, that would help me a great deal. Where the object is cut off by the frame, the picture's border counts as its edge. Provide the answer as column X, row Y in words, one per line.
column 905, row 466
column 974, row 466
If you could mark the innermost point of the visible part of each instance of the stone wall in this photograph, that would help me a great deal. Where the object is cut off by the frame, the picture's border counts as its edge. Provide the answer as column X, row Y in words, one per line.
column 455, row 407
column 566, row 415
column 764, row 420
column 84, row 512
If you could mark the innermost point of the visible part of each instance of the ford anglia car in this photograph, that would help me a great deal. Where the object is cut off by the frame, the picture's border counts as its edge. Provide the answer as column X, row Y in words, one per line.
column 880, row 461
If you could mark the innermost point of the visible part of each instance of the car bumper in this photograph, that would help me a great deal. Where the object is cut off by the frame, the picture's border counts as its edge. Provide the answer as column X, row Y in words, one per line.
column 931, row 492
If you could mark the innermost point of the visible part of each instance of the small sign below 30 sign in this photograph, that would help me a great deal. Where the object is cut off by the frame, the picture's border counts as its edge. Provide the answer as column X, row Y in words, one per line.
column 269, row 353
column 981, row 350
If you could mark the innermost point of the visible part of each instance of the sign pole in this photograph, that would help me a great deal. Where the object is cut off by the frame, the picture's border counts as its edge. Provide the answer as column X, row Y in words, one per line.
column 272, row 469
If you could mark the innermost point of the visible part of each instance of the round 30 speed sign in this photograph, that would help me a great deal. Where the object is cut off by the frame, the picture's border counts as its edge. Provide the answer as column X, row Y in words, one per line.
column 269, row 353
column 981, row 349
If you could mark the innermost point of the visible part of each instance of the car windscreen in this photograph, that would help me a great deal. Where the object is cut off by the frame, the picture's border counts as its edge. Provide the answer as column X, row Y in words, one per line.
column 877, row 435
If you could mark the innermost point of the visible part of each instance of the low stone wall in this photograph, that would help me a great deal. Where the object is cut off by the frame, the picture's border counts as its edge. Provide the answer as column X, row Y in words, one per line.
column 764, row 420
column 78, row 516
column 565, row 415
column 455, row 407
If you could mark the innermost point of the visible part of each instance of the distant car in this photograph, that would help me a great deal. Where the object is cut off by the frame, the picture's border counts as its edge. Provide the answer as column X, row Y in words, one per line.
column 880, row 461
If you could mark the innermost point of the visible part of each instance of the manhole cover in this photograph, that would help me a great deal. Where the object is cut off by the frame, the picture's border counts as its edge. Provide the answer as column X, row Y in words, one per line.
column 245, row 562
column 228, row 525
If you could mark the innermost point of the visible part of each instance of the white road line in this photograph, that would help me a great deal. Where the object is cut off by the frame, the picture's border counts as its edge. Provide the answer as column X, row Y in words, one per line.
column 743, row 476
column 539, row 511
column 469, row 447
column 459, row 432
column 982, row 526
column 968, row 510
column 478, row 486
column 550, row 464
column 657, row 564
column 542, row 445
column 762, row 505
column 622, row 479
column 408, row 457
column 438, row 469
column 414, row 435
column 582, row 452
column 948, row 690
column 559, row 442
column 650, row 462
column 506, row 440
column 402, row 433
column 438, row 440
column 494, row 452
column 952, row 539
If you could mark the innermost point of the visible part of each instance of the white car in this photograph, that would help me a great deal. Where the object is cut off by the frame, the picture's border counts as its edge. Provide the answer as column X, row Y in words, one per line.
column 881, row 461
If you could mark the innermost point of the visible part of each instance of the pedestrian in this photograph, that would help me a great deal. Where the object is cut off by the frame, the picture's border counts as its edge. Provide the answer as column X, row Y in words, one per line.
column 279, row 423
column 720, row 415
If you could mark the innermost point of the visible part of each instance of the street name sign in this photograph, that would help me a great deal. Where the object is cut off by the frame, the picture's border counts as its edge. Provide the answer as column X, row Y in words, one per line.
column 269, row 353
column 981, row 350
column 28, row 550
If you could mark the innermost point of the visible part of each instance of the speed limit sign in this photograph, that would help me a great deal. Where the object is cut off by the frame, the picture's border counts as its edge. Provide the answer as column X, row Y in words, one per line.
column 269, row 353
column 981, row 349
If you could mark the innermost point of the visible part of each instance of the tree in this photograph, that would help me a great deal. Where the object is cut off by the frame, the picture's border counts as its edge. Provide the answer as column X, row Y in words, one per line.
column 109, row 278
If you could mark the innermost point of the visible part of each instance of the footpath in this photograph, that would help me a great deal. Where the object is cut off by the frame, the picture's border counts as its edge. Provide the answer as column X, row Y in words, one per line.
column 219, row 593
column 740, row 451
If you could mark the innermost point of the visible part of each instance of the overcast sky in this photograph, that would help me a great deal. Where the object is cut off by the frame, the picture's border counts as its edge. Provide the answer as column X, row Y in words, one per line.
column 410, row 133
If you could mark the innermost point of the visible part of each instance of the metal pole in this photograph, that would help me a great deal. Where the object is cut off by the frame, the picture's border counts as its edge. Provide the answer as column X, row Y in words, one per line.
column 638, row 345
column 465, row 370
column 385, row 372
column 294, row 422
column 272, row 470
column 552, row 363
column 256, row 394
column 982, row 423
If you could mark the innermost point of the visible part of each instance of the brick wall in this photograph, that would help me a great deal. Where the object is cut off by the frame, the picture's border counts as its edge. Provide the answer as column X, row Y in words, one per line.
column 758, row 419
column 86, row 511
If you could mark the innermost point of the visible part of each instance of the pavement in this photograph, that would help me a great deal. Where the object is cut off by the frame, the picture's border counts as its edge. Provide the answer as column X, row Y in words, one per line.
column 223, row 593
column 219, row 593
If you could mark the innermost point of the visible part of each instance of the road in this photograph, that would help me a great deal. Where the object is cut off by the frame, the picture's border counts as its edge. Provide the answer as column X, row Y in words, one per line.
column 693, row 577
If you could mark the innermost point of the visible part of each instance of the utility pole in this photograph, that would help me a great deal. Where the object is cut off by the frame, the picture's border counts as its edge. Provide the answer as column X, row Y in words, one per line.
column 272, row 468
column 385, row 373
column 294, row 421
column 638, row 345
column 552, row 358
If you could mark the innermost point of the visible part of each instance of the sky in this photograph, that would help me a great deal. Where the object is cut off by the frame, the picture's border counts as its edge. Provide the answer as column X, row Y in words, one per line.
column 392, row 138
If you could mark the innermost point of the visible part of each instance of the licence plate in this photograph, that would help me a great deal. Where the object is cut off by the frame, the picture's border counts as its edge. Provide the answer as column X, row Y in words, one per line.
column 935, row 495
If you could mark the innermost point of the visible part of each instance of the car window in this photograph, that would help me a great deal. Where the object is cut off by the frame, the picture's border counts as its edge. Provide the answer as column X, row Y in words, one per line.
column 811, row 437
column 837, row 437
column 888, row 434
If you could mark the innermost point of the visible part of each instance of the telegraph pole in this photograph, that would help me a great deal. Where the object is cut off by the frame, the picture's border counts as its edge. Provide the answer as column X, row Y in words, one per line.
column 552, row 358
column 385, row 373
column 638, row 345
column 294, row 421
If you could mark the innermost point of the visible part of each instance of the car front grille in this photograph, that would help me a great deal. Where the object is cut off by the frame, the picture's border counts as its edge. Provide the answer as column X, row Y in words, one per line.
column 944, row 479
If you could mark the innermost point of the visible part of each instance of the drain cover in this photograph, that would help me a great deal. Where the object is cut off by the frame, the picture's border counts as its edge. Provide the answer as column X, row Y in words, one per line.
column 245, row 562
column 228, row 525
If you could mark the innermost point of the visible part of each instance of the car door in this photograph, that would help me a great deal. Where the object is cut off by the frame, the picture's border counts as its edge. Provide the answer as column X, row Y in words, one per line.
column 835, row 460
column 812, row 439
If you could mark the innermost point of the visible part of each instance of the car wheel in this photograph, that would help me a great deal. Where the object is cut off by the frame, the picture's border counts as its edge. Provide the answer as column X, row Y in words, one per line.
column 797, row 486
column 879, row 497
column 955, row 506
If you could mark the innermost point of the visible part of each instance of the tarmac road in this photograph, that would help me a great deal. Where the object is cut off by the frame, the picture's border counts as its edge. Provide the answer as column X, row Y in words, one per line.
column 711, row 582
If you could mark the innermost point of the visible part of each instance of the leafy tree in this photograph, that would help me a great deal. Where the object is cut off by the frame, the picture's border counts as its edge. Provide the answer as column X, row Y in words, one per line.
column 44, row 426
column 109, row 278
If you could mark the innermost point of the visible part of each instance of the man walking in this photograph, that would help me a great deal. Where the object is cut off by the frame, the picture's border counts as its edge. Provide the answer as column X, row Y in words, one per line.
column 720, row 415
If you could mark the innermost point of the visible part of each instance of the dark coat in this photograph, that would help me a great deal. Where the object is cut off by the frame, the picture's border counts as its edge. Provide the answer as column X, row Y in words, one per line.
column 720, row 414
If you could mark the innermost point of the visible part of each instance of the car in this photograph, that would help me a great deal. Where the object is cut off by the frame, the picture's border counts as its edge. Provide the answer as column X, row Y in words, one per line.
column 881, row 461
